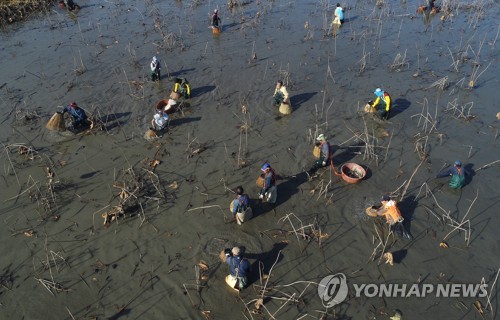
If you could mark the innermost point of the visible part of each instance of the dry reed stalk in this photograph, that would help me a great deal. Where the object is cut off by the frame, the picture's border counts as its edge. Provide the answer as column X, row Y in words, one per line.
column 6, row 150
column 409, row 181
column 445, row 214
column 70, row 314
column 246, row 307
column 463, row 222
column 487, row 165
column 399, row 62
column 269, row 275
column 362, row 61
column 489, row 296
column 425, row 120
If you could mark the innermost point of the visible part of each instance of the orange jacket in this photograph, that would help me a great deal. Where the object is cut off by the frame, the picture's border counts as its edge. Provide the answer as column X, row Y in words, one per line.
column 391, row 212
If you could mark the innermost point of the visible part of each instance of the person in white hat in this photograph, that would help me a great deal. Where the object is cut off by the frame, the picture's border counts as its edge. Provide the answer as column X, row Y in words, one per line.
column 385, row 99
column 239, row 266
column 324, row 157
column 215, row 19
column 155, row 69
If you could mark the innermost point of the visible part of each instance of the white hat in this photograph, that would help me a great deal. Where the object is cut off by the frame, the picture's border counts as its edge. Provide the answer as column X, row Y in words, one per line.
column 236, row 251
column 215, row 10
column 321, row 137
column 154, row 58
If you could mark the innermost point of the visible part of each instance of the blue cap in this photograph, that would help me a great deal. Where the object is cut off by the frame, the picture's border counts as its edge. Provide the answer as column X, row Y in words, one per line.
column 265, row 166
column 378, row 92
column 458, row 163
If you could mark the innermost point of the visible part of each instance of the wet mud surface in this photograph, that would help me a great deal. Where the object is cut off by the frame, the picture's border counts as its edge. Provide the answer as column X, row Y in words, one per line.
column 59, row 261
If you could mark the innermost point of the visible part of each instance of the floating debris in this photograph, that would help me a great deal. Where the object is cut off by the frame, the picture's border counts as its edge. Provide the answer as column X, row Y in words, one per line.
column 389, row 259
column 397, row 315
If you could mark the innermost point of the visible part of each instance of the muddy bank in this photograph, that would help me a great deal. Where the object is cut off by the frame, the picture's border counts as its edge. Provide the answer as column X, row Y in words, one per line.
column 59, row 260
column 16, row 11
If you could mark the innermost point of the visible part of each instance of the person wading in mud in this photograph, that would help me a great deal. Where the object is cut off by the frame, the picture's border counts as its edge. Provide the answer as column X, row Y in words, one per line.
column 182, row 87
column 240, row 206
column 268, row 190
column 339, row 13
column 239, row 266
column 324, row 156
column 389, row 209
column 160, row 121
column 384, row 99
column 78, row 114
column 457, row 174
column 280, row 94
column 215, row 19
column 155, row 69
column 70, row 5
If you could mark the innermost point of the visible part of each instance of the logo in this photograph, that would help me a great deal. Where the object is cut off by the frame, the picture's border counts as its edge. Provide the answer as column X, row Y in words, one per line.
column 333, row 289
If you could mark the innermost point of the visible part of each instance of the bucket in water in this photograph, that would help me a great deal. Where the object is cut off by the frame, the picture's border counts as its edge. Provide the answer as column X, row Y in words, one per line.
column 260, row 181
column 285, row 108
column 316, row 152
column 164, row 105
column 369, row 109
column 175, row 95
column 215, row 30
column 232, row 282
column 352, row 172
column 56, row 122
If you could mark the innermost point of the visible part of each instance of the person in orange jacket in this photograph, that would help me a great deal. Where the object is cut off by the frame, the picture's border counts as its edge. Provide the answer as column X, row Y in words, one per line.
column 389, row 209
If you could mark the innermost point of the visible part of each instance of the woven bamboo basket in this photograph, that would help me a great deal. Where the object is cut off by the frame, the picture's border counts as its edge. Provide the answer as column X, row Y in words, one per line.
column 260, row 181
column 285, row 108
column 56, row 122
column 316, row 152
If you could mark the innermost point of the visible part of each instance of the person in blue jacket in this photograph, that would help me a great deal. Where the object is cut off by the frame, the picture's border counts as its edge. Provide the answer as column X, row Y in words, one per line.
column 78, row 114
column 457, row 174
column 239, row 266
column 240, row 206
column 269, row 190
column 325, row 155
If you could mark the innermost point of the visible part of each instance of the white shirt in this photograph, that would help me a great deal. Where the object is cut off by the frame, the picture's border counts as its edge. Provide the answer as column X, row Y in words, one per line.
column 161, row 120
column 339, row 13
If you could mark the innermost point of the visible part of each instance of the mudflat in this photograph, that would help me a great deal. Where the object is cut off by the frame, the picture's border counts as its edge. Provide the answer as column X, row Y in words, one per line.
column 167, row 198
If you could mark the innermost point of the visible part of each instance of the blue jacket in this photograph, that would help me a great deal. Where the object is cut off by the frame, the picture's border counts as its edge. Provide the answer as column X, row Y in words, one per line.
column 240, row 264
column 457, row 174
column 269, row 181
column 77, row 113
column 325, row 152
column 241, row 203
column 450, row 172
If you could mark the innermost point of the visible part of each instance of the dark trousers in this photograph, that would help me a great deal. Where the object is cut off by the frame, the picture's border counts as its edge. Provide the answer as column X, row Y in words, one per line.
column 382, row 114
column 155, row 75
column 318, row 164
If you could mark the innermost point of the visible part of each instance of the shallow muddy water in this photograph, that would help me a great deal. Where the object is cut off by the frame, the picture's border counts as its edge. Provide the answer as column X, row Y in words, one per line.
column 176, row 212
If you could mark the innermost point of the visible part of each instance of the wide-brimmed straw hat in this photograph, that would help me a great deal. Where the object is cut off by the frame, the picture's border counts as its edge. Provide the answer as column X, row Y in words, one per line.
column 236, row 251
